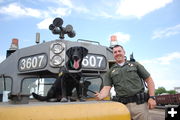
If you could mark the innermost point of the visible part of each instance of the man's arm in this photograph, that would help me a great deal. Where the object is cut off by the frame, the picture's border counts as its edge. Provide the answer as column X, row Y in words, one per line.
column 103, row 93
column 151, row 88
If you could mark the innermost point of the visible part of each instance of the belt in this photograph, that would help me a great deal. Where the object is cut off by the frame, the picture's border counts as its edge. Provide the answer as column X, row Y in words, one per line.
column 138, row 98
column 126, row 100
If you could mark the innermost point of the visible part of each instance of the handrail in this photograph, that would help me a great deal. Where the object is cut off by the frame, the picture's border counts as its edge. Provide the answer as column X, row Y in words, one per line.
column 89, row 41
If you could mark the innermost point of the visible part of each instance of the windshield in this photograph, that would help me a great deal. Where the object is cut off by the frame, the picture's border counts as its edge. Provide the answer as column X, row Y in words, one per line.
column 42, row 85
column 95, row 84
column 37, row 85
column 5, row 83
column 5, row 88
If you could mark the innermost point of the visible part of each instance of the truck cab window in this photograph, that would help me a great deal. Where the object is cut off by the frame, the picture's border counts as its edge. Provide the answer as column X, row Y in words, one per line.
column 37, row 85
column 93, row 84
column 5, row 83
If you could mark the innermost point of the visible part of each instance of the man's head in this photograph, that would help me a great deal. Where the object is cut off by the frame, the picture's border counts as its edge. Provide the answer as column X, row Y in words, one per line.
column 119, row 53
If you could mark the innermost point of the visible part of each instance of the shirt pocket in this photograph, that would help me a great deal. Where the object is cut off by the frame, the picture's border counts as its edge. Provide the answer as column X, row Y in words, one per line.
column 132, row 72
column 132, row 69
column 115, row 76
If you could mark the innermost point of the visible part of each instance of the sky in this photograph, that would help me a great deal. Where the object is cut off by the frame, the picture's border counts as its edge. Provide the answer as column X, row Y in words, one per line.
column 148, row 28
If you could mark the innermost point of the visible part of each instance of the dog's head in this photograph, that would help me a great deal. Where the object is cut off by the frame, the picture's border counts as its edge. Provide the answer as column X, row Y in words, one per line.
column 75, row 55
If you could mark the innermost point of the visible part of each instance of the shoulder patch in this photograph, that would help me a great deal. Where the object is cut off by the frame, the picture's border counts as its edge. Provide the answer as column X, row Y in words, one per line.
column 130, row 64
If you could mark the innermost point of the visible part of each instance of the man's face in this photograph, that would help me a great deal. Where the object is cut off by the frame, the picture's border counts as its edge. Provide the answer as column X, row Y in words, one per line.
column 119, row 54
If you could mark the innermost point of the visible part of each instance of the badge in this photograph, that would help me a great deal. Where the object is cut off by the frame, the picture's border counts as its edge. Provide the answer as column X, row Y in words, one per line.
column 113, row 71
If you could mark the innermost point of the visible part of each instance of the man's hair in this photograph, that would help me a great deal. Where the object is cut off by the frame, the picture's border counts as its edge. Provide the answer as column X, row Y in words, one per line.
column 117, row 46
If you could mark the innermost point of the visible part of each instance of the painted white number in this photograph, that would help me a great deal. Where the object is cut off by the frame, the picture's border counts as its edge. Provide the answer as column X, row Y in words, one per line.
column 100, row 60
column 40, row 60
column 23, row 66
column 85, row 61
column 28, row 63
column 31, row 62
column 92, row 61
column 34, row 62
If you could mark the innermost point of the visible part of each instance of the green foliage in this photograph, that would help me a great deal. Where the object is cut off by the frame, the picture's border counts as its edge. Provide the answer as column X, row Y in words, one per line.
column 161, row 90
column 171, row 92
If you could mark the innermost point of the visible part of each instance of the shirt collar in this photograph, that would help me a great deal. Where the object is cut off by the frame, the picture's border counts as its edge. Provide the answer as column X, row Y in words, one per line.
column 122, row 64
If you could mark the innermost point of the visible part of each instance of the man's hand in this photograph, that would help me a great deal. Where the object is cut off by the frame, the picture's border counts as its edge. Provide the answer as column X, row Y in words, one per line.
column 151, row 103
column 98, row 96
column 103, row 93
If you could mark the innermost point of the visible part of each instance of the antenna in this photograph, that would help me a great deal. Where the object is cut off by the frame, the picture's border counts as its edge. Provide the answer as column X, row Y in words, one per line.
column 132, row 58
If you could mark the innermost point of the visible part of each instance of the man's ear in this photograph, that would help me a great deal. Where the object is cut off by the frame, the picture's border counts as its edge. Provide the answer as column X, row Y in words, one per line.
column 84, row 51
column 124, row 51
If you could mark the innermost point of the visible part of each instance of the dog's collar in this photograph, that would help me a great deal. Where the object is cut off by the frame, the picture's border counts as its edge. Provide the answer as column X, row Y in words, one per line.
column 71, row 64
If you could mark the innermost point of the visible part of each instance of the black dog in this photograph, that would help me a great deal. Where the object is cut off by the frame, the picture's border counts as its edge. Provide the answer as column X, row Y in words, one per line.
column 66, row 81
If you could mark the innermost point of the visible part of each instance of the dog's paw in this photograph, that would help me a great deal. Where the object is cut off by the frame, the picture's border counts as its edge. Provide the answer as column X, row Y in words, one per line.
column 72, row 99
column 64, row 100
column 82, row 99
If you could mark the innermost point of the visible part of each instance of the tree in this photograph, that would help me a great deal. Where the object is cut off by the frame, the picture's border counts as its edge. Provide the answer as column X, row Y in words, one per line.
column 171, row 92
column 160, row 90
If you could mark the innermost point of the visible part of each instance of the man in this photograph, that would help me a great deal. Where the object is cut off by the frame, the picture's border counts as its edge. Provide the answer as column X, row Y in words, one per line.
column 126, row 77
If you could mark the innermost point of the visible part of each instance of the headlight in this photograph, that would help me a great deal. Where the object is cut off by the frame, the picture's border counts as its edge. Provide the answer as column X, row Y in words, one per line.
column 57, row 54
column 57, row 60
column 57, row 48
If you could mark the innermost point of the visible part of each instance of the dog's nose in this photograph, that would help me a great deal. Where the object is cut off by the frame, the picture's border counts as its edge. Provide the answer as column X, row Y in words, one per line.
column 75, row 57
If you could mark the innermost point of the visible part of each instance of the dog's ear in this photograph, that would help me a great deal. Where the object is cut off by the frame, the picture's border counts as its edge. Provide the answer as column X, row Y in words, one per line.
column 84, row 51
column 69, row 52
